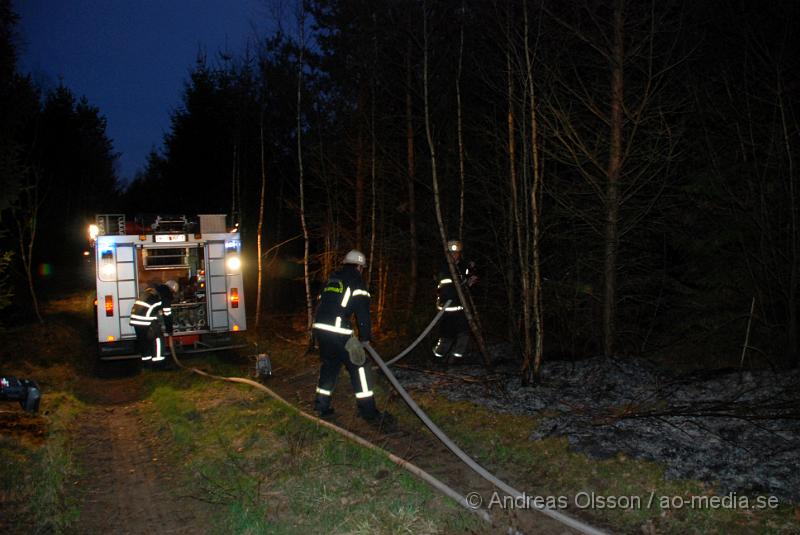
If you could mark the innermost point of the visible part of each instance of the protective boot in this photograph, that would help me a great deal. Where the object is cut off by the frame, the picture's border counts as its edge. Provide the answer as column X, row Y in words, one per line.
column 460, row 347
column 322, row 404
column 442, row 347
column 367, row 409
column 381, row 420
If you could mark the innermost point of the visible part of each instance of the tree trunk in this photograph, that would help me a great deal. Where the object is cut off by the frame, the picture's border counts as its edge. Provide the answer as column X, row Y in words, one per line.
column 360, row 179
column 513, row 319
column 411, row 172
column 612, row 185
column 233, row 182
column 521, row 244
column 26, row 228
column 460, row 131
column 372, row 155
column 792, row 349
column 468, row 312
column 535, row 198
column 306, row 278
column 26, row 255
column 259, row 233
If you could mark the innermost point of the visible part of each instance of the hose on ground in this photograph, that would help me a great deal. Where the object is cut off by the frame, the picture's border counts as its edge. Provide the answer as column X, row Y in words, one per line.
column 421, row 336
column 410, row 467
column 488, row 476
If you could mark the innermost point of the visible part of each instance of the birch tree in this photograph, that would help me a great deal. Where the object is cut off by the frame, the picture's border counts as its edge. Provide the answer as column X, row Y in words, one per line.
column 260, row 229
column 466, row 303
column 301, row 20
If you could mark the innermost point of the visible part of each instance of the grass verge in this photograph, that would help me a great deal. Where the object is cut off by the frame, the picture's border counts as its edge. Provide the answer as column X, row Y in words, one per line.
column 38, row 463
column 269, row 470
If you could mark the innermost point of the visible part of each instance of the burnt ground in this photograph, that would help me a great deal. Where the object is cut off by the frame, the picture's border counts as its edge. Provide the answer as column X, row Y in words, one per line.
column 736, row 429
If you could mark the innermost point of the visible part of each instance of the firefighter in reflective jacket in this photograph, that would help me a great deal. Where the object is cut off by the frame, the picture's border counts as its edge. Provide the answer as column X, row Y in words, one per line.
column 155, row 300
column 344, row 295
column 454, row 329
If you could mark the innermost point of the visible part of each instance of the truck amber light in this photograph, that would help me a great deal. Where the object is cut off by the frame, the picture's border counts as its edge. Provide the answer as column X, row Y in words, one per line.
column 110, row 338
column 109, row 305
column 234, row 297
column 235, row 327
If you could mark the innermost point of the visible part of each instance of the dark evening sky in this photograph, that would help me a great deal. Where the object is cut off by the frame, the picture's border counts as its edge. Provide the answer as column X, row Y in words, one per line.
column 130, row 58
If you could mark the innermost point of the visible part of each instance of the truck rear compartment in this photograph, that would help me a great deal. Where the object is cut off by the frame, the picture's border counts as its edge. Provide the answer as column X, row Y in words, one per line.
column 187, row 267
column 202, row 258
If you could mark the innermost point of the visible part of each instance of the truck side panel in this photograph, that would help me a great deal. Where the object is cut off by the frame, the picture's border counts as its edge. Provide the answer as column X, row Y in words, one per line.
column 217, row 285
column 120, row 288
column 126, row 287
column 237, row 316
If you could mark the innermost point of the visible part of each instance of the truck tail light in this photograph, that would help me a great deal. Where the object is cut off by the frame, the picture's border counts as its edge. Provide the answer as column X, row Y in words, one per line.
column 234, row 297
column 109, row 305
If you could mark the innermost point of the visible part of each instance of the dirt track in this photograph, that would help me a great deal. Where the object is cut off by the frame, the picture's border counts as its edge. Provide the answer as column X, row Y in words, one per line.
column 128, row 486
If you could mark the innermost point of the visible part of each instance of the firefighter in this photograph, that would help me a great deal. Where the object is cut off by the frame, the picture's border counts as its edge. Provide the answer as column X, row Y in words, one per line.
column 454, row 329
column 342, row 296
column 154, row 301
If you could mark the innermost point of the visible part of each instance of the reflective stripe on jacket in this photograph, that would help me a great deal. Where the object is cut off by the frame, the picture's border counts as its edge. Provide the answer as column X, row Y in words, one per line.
column 147, row 307
column 446, row 290
column 344, row 295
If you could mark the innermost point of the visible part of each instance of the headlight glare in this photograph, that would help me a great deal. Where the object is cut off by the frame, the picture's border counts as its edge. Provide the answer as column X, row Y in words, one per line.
column 234, row 263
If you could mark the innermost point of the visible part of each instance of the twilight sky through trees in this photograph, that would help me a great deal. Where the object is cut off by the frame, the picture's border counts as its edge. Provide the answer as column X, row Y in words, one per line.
column 129, row 58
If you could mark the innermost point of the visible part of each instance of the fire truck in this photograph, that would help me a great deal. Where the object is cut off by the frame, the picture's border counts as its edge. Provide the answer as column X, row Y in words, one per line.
column 202, row 254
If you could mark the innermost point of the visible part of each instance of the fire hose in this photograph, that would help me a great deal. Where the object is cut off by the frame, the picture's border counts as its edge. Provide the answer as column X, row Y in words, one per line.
column 560, row 517
column 424, row 333
column 439, row 485
column 410, row 467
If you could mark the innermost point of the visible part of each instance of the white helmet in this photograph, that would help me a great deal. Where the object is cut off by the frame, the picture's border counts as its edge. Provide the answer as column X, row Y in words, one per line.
column 454, row 246
column 173, row 286
column 355, row 257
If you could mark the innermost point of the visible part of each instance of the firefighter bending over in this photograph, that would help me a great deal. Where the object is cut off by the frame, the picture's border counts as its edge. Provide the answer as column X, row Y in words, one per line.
column 454, row 329
column 343, row 295
column 155, row 300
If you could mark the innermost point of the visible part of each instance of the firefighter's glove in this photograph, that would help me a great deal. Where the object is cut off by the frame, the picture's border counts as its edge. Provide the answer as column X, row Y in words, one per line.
column 356, row 351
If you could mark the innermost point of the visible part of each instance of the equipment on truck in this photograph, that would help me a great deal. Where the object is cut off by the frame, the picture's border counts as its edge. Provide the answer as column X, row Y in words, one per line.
column 199, row 258
column 26, row 391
